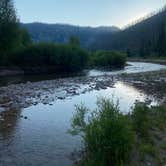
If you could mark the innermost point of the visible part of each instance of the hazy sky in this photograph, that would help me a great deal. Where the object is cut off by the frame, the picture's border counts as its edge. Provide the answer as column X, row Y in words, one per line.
column 85, row 12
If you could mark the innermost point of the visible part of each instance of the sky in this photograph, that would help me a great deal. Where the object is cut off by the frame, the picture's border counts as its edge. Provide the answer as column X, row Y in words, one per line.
column 86, row 12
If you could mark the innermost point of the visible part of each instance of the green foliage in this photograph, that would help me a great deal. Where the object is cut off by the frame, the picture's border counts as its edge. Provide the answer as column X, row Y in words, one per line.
column 147, row 123
column 110, row 59
column 25, row 39
column 106, row 132
column 8, row 29
column 161, row 42
column 7, row 12
column 112, row 138
column 74, row 41
column 147, row 149
column 65, row 58
column 141, row 121
column 163, row 145
column 12, row 36
column 128, row 52
column 159, row 116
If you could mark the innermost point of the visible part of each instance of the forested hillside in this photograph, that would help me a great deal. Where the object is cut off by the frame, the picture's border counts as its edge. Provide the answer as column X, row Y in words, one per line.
column 61, row 33
column 145, row 37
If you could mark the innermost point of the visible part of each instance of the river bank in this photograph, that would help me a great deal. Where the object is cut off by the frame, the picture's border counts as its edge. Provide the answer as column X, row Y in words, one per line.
column 10, row 71
column 14, row 71
column 161, row 61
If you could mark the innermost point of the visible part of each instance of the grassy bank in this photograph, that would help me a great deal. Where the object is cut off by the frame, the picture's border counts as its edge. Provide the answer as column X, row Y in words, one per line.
column 112, row 138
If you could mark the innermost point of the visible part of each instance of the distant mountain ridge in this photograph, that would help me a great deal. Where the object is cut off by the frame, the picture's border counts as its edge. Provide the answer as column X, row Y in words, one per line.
column 144, row 37
column 60, row 33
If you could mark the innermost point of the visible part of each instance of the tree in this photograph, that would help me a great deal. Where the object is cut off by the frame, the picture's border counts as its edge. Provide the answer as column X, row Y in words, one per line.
column 7, row 12
column 74, row 41
column 12, row 36
column 9, row 28
column 128, row 52
column 161, row 43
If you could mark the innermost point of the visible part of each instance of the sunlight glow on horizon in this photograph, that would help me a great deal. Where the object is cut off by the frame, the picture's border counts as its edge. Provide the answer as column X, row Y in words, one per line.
column 86, row 13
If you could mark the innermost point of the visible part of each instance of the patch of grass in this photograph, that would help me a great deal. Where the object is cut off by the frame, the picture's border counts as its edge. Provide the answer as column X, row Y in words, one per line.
column 106, row 132
column 159, row 116
column 111, row 137
column 163, row 145
column 141, row 121
column 147, row 149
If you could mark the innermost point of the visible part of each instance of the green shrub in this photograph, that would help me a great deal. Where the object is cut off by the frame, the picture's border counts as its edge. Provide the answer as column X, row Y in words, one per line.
column 65, row 58
column 109, row 59
column 112, row 138
column 141, row 122
column 106, row 132
column 147, row 149
column 163, row 145
column 159, row 114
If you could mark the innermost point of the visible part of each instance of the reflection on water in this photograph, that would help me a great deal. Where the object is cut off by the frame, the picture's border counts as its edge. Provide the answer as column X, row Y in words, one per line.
column 8, row 122
column 42, row 138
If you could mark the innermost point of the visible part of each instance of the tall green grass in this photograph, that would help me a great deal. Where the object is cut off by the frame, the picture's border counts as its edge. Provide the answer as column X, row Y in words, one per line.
column 110, row 136
column 106, row 132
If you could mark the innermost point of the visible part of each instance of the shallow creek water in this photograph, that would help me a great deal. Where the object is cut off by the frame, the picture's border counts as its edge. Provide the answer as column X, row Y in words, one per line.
column 37, row 135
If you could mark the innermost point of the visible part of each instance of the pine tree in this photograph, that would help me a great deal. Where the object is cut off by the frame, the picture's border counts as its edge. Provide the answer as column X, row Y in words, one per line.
column 7, row 12
column 9, row 29
column 161, row 43
column 74, row 41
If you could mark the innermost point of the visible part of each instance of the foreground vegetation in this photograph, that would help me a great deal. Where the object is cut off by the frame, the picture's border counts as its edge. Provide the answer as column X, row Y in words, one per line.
column 112, row 138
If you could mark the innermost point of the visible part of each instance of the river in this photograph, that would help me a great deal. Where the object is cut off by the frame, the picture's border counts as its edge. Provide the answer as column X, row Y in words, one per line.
column 36, row 135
